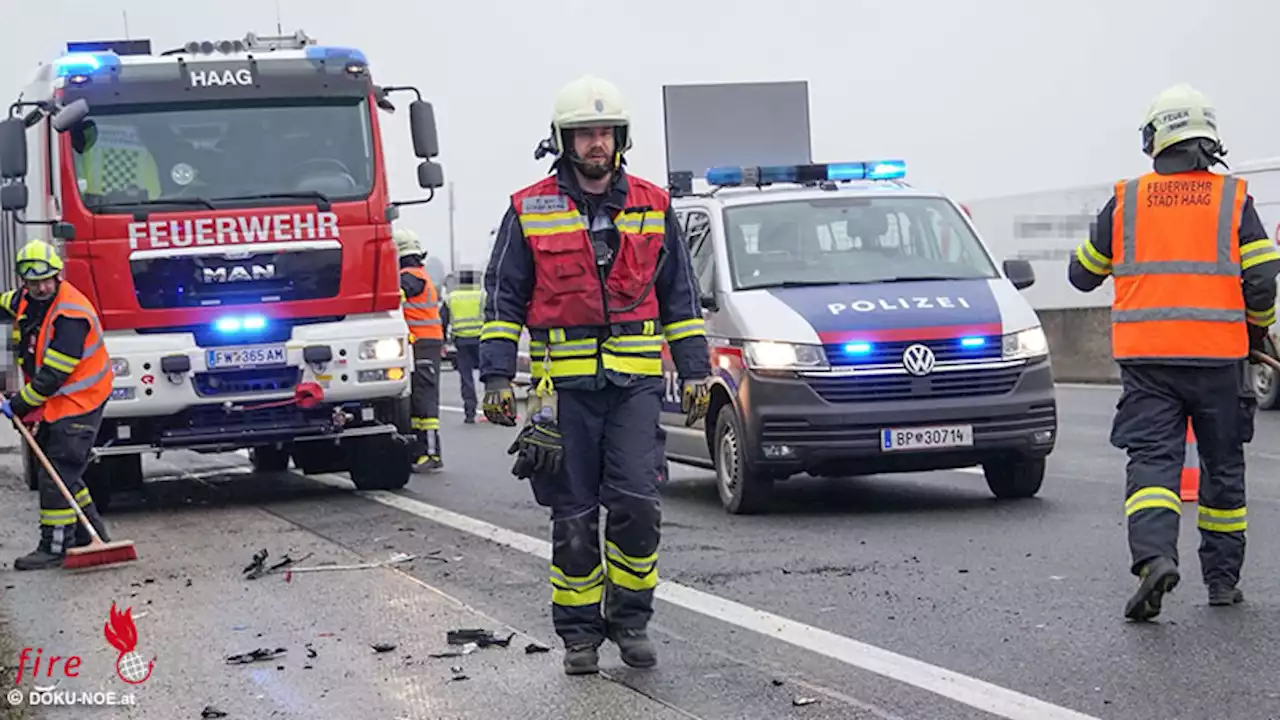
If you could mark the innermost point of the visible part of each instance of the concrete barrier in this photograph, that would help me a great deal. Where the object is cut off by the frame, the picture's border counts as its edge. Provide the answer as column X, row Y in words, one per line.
column 1080, row 344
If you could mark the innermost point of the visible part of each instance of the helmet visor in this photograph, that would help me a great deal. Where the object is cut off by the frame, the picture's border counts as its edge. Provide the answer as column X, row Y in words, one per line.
column 36, row 269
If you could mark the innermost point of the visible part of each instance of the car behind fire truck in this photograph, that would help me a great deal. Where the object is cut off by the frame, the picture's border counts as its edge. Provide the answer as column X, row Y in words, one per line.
column 225, row 205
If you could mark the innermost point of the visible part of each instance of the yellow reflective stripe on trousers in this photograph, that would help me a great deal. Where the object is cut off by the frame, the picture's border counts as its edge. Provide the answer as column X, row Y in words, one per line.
column 684, row 329
column 57, row 518
column 571, row 591
column 631, row 573
column 1223, row 521
column 424, row 423
column 555, row 223
column 650, row 221
column 501, row 330
column 1153, row 498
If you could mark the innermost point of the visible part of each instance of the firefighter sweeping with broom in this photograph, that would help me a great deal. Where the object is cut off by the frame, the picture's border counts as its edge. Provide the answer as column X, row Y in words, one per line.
column 68, row 373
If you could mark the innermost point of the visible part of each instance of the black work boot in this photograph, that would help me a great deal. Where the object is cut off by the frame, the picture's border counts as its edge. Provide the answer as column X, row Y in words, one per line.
column 470, row 419
column 39, row 559
column 82, row 535
column 1225, row 595
column 1156, row 578
column 582, row 659
column 635, row 647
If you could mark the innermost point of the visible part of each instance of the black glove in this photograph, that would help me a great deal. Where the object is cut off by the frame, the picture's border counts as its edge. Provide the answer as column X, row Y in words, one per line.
column 1257, row 340
column 538, row 450
column 499, row 402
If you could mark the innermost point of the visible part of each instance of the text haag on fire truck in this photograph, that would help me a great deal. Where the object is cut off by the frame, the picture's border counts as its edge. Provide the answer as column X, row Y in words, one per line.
column 235, row 230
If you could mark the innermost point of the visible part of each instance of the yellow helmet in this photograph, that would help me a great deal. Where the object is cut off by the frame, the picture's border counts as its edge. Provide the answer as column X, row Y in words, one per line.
column 38, row 260
column 590, row 101
column 406, row 242
column 1178, row 113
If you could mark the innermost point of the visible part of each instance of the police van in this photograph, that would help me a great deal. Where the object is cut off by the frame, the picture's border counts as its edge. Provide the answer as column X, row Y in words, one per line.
column 857, row 325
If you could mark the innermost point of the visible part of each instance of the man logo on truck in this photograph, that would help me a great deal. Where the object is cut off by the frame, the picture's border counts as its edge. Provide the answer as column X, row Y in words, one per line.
column 238, row 273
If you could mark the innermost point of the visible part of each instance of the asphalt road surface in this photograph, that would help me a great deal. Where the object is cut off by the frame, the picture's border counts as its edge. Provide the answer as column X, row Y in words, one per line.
column 893, row 596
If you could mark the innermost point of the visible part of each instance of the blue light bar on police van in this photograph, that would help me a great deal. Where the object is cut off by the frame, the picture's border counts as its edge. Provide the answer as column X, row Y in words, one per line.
column 231, row 324
column 729, row 176
column 75, row 64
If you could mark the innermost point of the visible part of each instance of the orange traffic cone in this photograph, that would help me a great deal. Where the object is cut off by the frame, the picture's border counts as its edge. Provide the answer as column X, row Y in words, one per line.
column 1189, row 489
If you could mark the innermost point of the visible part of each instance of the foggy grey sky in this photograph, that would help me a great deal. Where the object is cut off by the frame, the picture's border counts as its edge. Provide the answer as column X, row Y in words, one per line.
column 980, row 97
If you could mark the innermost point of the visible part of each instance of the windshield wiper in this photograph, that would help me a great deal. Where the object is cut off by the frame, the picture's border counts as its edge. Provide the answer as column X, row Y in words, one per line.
column 322, row 200
column 142, row 204
column 919, row 278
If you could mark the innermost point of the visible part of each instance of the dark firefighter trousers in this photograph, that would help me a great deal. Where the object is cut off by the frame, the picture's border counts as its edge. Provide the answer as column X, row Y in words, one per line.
column 67, row 443
column 609, row 459
column 424, row 399
column 467, row 360
column 1151, row 425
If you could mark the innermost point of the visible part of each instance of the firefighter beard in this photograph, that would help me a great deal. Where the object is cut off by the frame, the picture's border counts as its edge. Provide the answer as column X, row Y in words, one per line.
column 610, row 452
column 424, row 401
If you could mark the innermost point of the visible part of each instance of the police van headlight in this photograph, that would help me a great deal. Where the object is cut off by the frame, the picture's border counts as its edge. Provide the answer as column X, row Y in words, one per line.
column 784, row 356
column 1026, row 344
column 384, row 349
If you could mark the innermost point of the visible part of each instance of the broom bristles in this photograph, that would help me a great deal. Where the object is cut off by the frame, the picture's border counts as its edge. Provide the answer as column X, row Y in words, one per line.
column 100, row 554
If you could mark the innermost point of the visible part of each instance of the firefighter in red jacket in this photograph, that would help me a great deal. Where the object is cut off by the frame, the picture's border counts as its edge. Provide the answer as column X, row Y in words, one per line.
column 590, row 260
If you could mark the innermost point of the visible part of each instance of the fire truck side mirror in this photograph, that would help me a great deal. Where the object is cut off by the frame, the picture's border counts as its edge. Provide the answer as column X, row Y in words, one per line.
column 422, row 125
column 13, row 149
column 70, row 115
column 430, row 175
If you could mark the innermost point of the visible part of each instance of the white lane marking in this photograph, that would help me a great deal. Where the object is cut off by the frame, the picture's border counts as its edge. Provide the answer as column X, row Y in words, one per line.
column 970, row 691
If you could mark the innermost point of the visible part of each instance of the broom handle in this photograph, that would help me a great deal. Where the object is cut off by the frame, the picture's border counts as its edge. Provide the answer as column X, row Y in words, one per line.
column 1274, row 363
column 57, row 480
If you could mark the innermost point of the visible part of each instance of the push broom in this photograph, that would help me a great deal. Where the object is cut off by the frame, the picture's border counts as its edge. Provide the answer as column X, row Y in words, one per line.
column 96, row 552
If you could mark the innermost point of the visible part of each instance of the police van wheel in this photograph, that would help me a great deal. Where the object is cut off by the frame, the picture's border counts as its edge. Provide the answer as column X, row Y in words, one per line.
column 743, row 489
column 1266, row 381
column 378, row 463
column 269, row 459
column 1014, row 477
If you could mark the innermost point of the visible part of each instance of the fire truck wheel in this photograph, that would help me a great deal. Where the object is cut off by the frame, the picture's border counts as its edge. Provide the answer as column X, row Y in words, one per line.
column 378, row 463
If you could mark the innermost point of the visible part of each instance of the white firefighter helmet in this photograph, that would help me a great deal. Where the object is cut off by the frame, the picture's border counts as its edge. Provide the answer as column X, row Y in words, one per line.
column 590, row 101
column 1178, row 113
column 406, row 242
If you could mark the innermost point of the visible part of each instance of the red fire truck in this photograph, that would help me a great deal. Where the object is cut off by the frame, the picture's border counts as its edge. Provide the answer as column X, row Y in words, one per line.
column 225, row 205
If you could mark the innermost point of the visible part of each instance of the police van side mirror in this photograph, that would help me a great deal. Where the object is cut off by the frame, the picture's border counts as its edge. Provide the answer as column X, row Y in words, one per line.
column 1020, row 273
column 422, row 125
column 13, row 149
column 70, row 115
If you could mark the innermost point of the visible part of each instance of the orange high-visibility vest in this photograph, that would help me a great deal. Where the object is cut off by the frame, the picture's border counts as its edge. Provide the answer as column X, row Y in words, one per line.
column 422, row 311
column 89, row 384
column 1176, row 265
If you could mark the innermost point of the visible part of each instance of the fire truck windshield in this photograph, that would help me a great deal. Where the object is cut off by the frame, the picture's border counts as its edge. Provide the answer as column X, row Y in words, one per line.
column 223, row 156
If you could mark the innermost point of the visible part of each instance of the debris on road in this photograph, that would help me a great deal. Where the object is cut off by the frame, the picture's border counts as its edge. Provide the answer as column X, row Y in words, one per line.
column 464, row 650
column 479, row 636
column 395, row 559
column 383, row 647
column 210, row 711
column 458, row 673
column 254, row 656
column 802, row 701
column 534, row 647
column 258, row 566
column 311, row 651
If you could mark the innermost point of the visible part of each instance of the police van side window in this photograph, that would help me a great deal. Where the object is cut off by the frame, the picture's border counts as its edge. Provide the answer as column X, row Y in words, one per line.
column 698, row 233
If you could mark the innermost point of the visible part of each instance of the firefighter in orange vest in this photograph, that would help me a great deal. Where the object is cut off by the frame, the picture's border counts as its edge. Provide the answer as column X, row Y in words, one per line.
column 1195, row 291
column 68, row 374
column 590, row 260
column 422, row 313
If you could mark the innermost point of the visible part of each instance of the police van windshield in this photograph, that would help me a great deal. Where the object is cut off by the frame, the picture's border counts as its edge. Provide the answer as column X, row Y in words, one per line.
column 167, row 154
column 851, row 240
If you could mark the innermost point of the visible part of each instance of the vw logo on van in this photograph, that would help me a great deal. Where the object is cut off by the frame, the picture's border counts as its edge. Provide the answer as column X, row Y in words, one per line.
column 918, row 360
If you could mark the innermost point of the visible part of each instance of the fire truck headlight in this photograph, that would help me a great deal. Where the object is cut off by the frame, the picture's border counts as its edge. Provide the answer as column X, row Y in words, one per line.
column 385, row 349
column 120, row 367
